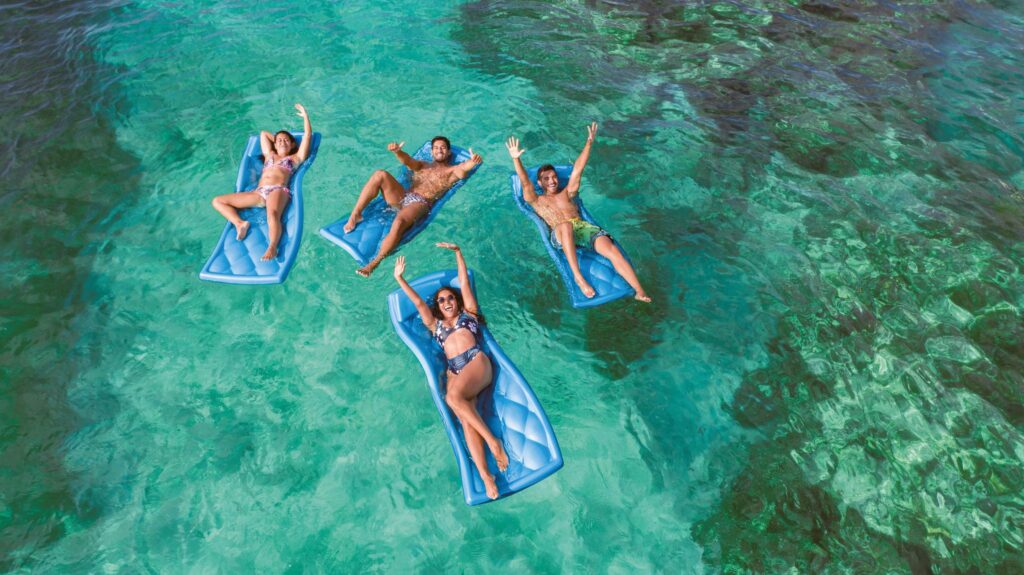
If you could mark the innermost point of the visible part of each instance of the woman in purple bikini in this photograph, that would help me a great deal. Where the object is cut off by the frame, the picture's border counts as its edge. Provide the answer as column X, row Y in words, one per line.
column 280, row 158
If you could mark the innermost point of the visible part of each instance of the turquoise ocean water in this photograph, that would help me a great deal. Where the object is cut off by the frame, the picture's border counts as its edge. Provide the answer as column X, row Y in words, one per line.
column 823, row 198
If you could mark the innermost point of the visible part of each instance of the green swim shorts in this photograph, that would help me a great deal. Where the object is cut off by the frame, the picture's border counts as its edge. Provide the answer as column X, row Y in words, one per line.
column 584, row 234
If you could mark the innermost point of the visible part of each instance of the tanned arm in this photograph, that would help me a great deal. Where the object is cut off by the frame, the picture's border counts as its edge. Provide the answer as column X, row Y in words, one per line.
column 529, row 194
column 266, row 144
column 407, row 160
column 307, row 138
column 581, row 162
column 462, row 170
column 468, row 297
column 426, row 316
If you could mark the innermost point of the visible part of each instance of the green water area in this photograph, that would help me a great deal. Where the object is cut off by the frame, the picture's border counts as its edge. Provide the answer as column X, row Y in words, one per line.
column 823, row 198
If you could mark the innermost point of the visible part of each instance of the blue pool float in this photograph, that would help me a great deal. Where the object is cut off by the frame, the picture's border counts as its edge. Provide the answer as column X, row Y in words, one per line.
column 597, row 269
column 238, row 262
column 364, row 241
column 508, row 406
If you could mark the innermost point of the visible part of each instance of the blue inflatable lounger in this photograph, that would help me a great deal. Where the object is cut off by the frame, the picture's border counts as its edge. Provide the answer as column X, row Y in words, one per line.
column 607, row 283
column 238, row 262
column 508, row 406
column 364, row 241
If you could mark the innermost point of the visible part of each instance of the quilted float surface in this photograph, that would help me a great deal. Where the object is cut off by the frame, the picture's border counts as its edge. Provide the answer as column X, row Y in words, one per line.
column 238, row 262
column 607, row 283
column 509, row 406
column 364, row 241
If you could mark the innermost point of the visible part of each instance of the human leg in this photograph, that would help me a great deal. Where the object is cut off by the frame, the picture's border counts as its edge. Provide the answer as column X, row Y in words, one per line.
column 475, row 444
column 564, row 233
column 607, row 248
column 277, row 201
column 463, row 390
column 406, row 217
column 380, row 182
column 228, row 206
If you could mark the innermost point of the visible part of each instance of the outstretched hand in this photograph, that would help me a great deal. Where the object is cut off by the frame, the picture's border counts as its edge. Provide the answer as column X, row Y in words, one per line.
column 395, row 148
column 475, row 158
column 399, row 267
column 302, row 111
column 591, row 131
column 513, row 147
column 448, row 246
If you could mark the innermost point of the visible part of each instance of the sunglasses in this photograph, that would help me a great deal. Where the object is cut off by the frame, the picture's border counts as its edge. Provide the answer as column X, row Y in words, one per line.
column 441, row 299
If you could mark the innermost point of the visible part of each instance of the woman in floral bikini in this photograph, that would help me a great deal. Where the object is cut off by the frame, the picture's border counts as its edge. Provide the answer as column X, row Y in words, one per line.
column 280, row 158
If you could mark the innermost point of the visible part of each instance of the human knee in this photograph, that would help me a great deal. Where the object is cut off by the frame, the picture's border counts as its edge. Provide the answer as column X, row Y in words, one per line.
column 379, row 174
column 216, row 202
column 453, row 399
column 401, row 222
column 605, row 245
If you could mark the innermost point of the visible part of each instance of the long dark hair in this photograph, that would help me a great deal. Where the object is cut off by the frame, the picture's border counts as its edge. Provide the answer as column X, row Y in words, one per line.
column 291, row 138
column 436, row 309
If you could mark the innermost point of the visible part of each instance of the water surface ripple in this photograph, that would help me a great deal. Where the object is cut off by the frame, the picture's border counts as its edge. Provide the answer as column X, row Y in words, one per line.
column 823, row 197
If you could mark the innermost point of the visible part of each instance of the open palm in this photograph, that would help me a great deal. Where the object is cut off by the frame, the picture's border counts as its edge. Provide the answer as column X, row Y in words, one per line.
column 513, row 148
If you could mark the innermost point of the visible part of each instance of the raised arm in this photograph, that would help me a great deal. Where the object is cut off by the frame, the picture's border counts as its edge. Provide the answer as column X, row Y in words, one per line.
column 407, row 160
column 581, row 162
column 426, row 316
column 468, row 297
column 307, row 137
column 529, row 194
column 266, row 143
column 462, row 170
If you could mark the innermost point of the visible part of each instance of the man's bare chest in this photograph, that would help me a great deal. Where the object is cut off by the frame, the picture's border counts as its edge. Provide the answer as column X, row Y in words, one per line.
column 432, row 177
column 559, row 203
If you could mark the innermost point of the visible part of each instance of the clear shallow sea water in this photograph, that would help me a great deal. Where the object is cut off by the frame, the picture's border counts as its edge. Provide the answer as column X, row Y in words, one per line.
column 823, row 198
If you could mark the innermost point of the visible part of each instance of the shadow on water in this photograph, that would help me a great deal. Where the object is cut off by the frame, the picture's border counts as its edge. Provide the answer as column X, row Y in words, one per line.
column 64, row 176
column 858, row 155
column 672, row 247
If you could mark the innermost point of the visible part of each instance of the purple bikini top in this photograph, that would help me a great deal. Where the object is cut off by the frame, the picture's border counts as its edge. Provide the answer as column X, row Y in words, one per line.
column 285, row 164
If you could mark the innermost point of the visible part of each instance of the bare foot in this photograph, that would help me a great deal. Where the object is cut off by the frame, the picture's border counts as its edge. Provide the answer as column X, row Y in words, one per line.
column 242, row 229
column 353, row 221
column 366, row 270
column 271, row 254
column 490, row 486
column 642, row 296
column 500, row 457
column 585, row 287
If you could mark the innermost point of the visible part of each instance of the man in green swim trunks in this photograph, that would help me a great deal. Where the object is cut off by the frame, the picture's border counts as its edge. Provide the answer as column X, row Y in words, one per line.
column 568, row 230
